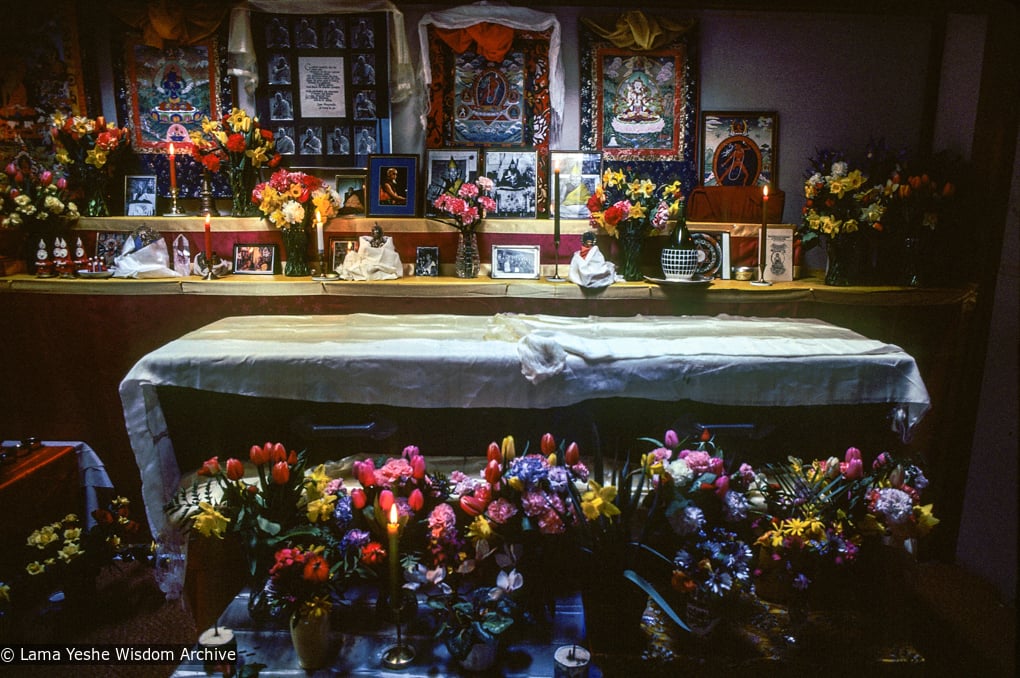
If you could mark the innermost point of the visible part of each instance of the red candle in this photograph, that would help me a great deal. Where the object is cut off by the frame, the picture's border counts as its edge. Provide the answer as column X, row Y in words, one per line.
column 173, row 170
column 208, row 240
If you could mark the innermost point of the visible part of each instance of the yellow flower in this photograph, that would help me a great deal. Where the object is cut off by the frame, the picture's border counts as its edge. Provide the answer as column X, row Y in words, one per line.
column 316, row 481
column 641, row 188
column 507, row 449
column 236, row 118
column 480, row 528
column 316, row 607
column 208, row 127
column 70, row 552
column 637, row 211
column 35, row 567
column 925, row 520
column 320, row 510
column 209, row 521
column 257, row 155
column 96, row 156
column 72, row 534
column 598, row 501
column 5, row 593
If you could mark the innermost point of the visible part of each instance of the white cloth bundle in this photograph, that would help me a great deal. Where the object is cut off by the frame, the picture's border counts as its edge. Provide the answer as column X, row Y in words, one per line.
column 593, row 270
column 144, row 255
column 372, row 263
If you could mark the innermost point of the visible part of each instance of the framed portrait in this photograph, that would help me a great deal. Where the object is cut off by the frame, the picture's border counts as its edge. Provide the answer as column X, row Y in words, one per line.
column 515, row 261
column 140, row 195
column 446, row 170
column 339, row 248
column 257, row 259
column 738, row 148
column 580, row 173
column 426, row 261
column 392, row 185
column 514, row 175
column 350, row 186
column 108, row 245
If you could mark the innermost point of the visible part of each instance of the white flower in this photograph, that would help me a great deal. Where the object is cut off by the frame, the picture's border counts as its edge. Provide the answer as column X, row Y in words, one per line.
column 840, row 169
column 22, row 200
column 509, row 581
column 895, row 505
column 293, row 212
column 53, row 204
column 680, row 472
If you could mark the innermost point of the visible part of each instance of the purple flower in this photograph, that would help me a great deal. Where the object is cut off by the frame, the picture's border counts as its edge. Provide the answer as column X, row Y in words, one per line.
column 343, row 516
column 531, row 469
column 355, row 539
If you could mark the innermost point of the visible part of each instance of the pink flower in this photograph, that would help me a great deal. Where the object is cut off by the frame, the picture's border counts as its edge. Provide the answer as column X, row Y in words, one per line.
column 385, row 500
column 550, row 523
column 416, row 501
column 393, row 471
column 442, row 519
column 534, row 503
column 485, row 183
column 468, row 191
column 697, row 461
column 501, row 511
column 672, row 439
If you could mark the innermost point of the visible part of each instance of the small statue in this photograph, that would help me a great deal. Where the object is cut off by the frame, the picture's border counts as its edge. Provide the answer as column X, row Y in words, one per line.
column 588, row 266
column 81, row 260
column 62, row 259
column 378, row 239
column 43, row 263
column 588, row 239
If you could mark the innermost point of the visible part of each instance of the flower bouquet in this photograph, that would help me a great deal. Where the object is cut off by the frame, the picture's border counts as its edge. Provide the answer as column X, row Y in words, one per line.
column 839, row 206
column 300, row 588
column 91, row 150
column 630, row 208
column 290, row 201
column 33, row 197
column 238, row 141
column 467, row 203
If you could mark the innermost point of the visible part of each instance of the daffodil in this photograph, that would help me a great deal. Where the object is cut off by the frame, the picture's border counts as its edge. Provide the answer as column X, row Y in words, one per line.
column 209, row 521
column 321, row 509
column 598, row 501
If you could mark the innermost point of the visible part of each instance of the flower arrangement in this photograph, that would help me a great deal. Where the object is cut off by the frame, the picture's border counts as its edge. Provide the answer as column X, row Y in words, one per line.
column 479, row 615
column 624, row 202
column 712, row 567
column 467, row 202
column 91, row 150
column 300, row 583
column 291, row 199
column 33, row 196
column 838, row 199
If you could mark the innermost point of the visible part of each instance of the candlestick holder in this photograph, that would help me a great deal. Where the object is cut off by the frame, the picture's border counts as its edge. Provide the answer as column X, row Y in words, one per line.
column 175, row 209
column 555, row 277
column 401, row 654
column 208, row 203
column 319, row 272
column 208, row 265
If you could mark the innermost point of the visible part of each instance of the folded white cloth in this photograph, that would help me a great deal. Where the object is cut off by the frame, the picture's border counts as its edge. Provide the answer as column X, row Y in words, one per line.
column 372, row 263
column 541, row 356
column 144, row 255
column 592, row 270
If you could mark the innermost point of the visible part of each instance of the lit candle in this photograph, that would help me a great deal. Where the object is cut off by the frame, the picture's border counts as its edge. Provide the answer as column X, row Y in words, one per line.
column 101, row 123
column 173, row 168
column 208, row 241
column 219, row 648
column 318, row 231
column 556, row 198
column 393, row 530
column 763, row 235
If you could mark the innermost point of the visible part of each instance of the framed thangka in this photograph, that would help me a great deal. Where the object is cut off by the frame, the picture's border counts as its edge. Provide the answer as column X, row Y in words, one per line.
column 497, row 102
column 738, row 148
column 580, row 176
column 323, row 85
column 643, row 102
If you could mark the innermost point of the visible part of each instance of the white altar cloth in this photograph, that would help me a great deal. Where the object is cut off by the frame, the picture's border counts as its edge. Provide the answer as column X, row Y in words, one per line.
column 511, row 361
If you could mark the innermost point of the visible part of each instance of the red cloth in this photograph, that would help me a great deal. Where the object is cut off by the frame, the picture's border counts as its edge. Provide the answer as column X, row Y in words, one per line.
column 493, row 40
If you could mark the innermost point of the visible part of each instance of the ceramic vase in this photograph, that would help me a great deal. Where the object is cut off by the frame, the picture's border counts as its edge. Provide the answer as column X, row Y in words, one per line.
column 310, row 636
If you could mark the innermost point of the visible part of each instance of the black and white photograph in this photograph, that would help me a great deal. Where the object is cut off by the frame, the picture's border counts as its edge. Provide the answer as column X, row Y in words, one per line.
column 258, row 259
column 338, row 141
column 515, row 176
column 282, row 106
column 284, row 140
column 334, row 34
column 446, row 170
column 362, row 34
column 311, row 141
column 139, row 196
column 363, row 70
column 277, row 33
column 306, row 34
column 365, row 142
column 279, row 70
column 580, row 174
column 364, row 105
column 516, row 261
column 426, row 261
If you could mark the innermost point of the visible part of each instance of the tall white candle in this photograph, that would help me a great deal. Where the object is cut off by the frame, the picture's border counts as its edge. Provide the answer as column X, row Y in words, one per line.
column 318, row 230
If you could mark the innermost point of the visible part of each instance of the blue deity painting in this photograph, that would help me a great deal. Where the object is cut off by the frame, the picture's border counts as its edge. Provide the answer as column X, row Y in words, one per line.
column 488, row 100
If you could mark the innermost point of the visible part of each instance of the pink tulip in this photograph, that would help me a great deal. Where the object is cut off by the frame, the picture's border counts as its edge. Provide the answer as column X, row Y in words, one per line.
column 358, row 498
column 62, row 183
column 416, row 501
column 11, row 169
column 46, row 178
column 672, row 439
column 365, row 472
column 722, row 486
column 385, row 500
column 417, row 467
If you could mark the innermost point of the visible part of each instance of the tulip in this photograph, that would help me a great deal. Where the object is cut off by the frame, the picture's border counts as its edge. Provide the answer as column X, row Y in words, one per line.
column 472, row 505
column 852, row 453
column 292, row 458
column 483, row 493
column 417, row 467
column 235, row 469
column 722, row 486
column 548, row 444
column 853, row 469
column 211, row 467
column 416, row 500
column 508, row 449
column 385, row 500
column 279, row 453
column 366, row 473
column 706, row 435
column 259, row 455
column 948, row 190
column 62, row 183
column 358, row 498
column 281, row 473
column 493, row 472
column 672, row 440
column 46, row 178
column 832, row 468
column 410, row 452
column 572, row 455
column 11, row 169
column 494, row 453
column 896, row 476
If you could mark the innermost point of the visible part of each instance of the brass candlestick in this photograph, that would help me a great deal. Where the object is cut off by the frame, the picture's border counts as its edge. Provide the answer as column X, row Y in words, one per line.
column 555, row 277
column 208, row 205
column 175, row 209
column 401, row 654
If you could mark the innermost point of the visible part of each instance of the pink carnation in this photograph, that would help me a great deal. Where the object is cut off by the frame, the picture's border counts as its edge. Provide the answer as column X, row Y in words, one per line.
column 697, row 461
column 550, row 523
column 442, row 519
column 393, row 471
column 485, row 183
column 501, row 511
column 534, row 503
column 468, row 191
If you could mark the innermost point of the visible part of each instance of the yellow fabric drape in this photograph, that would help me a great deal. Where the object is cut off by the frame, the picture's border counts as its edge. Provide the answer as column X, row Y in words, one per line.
column 181, row 22
column 634, row 30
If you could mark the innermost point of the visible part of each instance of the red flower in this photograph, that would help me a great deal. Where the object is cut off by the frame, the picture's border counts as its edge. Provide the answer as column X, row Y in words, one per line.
column 211, row 467
column 418, row 467
column 260, row 455
column 615, row 214
column 358, row 498
column 279, row 453
column 572, row 455
column 281, row 473
column 385, row 500
column 494, row 453
column 211, row 162
column 316, row 569
column 373, row 553
column 235, row 469
column 548, row 444
column 103, row 516
column 416, row 501
column 493, row 472
column 235, row 143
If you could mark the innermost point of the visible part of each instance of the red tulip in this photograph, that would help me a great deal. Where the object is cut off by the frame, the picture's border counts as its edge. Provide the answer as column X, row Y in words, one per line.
column 416, row 501
column 484, row 493
column 385, row 500
column 472, row 505
column 259, row 454
column 358, row 498
column 11, row 169
column 279, row 453
column 292, row 458
column 418, row 467
column 706, row 435
column 494, row 452
column 572, row 455
column 211, row 467
column 46, row 178
column 548, row 444
column 493, row 472
column 365, row 471
column 235, row 469
column 281, row 473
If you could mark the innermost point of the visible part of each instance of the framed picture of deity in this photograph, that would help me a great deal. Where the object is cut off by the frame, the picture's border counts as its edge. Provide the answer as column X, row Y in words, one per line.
column 738, row 148
column 643, row 102
column 514, row 176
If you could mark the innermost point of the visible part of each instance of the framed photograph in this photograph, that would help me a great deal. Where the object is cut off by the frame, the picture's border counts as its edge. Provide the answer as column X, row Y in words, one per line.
column 258, row 259
column 140, row 195
column 108, row 245
column 515, row 261
column 446, row 170
column 515, row 176
column 392, row 185
column 580, row 174
column 350, row 186
column 426, row 261
column 738, row 148
column 339, row 248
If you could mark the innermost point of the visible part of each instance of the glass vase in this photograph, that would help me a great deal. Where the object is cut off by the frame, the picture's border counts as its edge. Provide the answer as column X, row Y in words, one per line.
column 468, row 261
column 840, row 253
column 242, row 181
column 95, row 194
column 631, row 239
column 295, row 247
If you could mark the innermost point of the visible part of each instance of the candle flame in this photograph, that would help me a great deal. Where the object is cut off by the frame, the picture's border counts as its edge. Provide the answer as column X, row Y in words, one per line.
column 208, row 216
column 765, row 192
column 394, row 514
column 171, row 148
column 318, row 218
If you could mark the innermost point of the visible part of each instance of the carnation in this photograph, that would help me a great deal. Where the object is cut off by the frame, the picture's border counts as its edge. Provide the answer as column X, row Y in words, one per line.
column 500, row 511
column 293, row 212
column 895, row 505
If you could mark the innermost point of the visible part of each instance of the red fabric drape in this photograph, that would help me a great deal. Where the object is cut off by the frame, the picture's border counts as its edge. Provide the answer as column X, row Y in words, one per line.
column 493, row 40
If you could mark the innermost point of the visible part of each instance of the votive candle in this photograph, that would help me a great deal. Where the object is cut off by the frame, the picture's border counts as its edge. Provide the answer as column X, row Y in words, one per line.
column 173, row 168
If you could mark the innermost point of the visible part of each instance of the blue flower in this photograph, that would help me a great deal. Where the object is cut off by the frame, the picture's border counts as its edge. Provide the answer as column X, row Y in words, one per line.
column 343, row 514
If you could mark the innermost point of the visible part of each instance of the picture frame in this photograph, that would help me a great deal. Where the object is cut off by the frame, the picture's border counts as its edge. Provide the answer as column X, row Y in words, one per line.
column 392, row 185
column 140, row 195
column 779, row 253
column 426, row 261
column 339, row 247
column 446, row 169
column 109, row 245
column 514, row 174
column 580, row 176
column 256, row 259
column 714, row 258
column 350, row 186
column 516, row 261
column 739, row 148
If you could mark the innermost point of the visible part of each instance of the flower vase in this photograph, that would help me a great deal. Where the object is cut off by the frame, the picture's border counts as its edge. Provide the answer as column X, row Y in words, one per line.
column 840, row 253
column 481, row 656
column 631, row 239
column 468, row 261
column 95, row 194
column 295, row 246
column 242, row 181
column 310, row 637
column 701, row 615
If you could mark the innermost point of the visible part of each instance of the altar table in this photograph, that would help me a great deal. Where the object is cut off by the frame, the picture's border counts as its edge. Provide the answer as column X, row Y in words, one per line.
column 511, row 361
